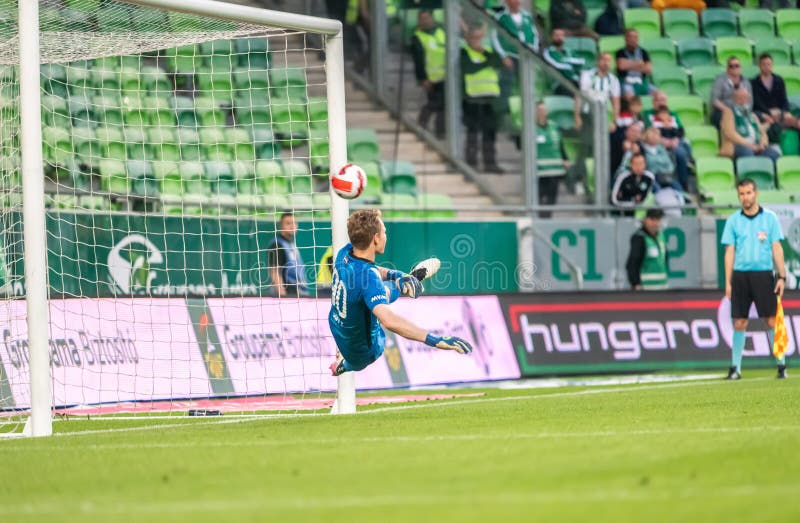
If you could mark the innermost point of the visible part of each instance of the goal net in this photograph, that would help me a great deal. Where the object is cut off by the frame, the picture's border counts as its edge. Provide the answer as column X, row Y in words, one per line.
column 172, row 144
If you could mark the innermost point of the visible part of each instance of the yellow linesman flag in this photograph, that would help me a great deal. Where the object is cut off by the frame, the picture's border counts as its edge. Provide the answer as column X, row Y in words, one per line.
column 781, row 337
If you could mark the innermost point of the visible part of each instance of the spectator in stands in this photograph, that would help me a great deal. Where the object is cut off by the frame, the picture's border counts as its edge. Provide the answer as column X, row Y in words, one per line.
column 481, row 90
column 634, row 66
column 770, row 102
column 659, row 162
column 632, row 186
column 354, row 15
column 724, row 86
column 630, row 112
column 551, row 160
column 286, row 268
column 610, row 21
column 672, row 135
column 562, row 59
column 599, row 84
column 570, row 15
column 647, row 258
column 622, row 151
column 428, row 50
column 742, row 134
column 325, row 273
column 519, row 23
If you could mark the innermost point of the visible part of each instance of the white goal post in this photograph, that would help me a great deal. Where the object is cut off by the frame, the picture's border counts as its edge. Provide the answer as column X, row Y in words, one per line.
column 31, row 141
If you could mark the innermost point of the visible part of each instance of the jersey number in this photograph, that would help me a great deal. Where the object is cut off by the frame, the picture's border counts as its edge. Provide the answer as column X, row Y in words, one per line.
column 339, row 295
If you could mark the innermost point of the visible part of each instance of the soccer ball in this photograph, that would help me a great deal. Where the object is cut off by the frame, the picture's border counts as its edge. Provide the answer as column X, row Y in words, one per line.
column 349, row 182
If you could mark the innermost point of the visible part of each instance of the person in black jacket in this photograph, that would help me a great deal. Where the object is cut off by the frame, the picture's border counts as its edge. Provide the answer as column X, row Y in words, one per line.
column 770, row 102
column 632, row 186
column 610, row 21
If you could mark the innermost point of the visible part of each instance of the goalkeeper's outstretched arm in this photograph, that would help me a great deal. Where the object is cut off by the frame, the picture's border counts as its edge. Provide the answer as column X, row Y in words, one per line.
column 407, row 329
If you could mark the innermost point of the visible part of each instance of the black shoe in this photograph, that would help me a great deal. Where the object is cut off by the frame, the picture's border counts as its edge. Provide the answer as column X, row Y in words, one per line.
column 781, row 372
column 733, row 374
column 493, row 168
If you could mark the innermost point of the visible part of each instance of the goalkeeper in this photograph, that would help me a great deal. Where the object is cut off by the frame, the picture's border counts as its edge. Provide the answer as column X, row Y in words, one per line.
column 362, row 292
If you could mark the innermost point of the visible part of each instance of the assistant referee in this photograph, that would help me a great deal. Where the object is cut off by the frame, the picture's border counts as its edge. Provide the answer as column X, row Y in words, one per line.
column 752, row 239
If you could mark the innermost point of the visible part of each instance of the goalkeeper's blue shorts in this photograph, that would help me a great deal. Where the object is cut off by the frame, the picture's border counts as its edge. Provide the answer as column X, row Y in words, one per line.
column 358, row 360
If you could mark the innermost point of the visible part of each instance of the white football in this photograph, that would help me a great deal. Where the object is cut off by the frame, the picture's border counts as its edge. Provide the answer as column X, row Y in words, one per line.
column 349, row 182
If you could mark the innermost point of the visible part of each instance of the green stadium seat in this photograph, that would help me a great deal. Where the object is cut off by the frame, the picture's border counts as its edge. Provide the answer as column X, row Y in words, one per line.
column 253, row 52
column 209, row 111
column 778, row 48
column 220, row 177
column 114, row 19
column 402, row 184
column 288, row 83
column 184, row 110
column 719, row 22
column 319, row 149
column 216, row 55
column 136, row 143
column 561, row 110
column 583, row 47
column 695, row 51
column 760, row 169
column 109, row 109
column 213, row 146
column 703, row 77
column 680, row 23
column 56, row 145
column 362, row 145
column 299, row 175
column 610, row 44
column 374, row 186
column 113, row 176
column 189, row 143
column 53, row 78
column 661, row 50
column 266, row 145
column 788, row 169
column 240, row 144
column 159, row 111
column 704, row 140
column 184, row 59
column 218, row 84
column 646, row 21
column 757, row 23
column 163, row 144
column 252, row 112
column 194, row 179
column 399, row 206
column 130, row 81
column 134, row 112
column 270, row 178
column 141, row 179
column 791, row 76
column 398, row 169
column 73, row 20
column 254, row 83
column 738, row 46
column 55, row 111
column 112, row 143
column 671, row 79
column 749, row 70
column 787, row 21
column 715, row 176
column 289, row 120
column 79, row 78
column 689, row 108
column 164, row 168
column 155, row 81
column 436, row 205
column 170, row 181
column 81, row 110
column 244, row 173
column 317, row 112
column 86, row 147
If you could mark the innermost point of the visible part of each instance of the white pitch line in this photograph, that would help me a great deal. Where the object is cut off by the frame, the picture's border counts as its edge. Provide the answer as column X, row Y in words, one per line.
column 438, row 404
column 473, row 499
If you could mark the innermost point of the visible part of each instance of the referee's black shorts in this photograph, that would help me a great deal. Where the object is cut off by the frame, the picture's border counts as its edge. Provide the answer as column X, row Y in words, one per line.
column 753, row 286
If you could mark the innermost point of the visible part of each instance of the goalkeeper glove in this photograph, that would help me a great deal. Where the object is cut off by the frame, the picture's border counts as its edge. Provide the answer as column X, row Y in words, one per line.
column 408, row 285
column 448, row 343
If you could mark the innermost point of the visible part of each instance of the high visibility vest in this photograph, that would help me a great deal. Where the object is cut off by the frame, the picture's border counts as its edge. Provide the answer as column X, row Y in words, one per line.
column 434, row 45
column 654, row 266
column 351, row 15
column 485, row 82
column 324, row 276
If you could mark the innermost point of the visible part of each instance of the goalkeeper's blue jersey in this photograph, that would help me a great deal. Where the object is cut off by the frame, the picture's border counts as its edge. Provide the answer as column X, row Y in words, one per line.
column 357, row 288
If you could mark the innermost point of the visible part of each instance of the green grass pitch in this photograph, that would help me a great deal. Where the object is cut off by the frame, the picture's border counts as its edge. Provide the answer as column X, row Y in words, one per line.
column 688, row 451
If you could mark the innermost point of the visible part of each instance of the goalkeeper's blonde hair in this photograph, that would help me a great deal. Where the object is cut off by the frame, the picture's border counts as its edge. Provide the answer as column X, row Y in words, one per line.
column 362, row 226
